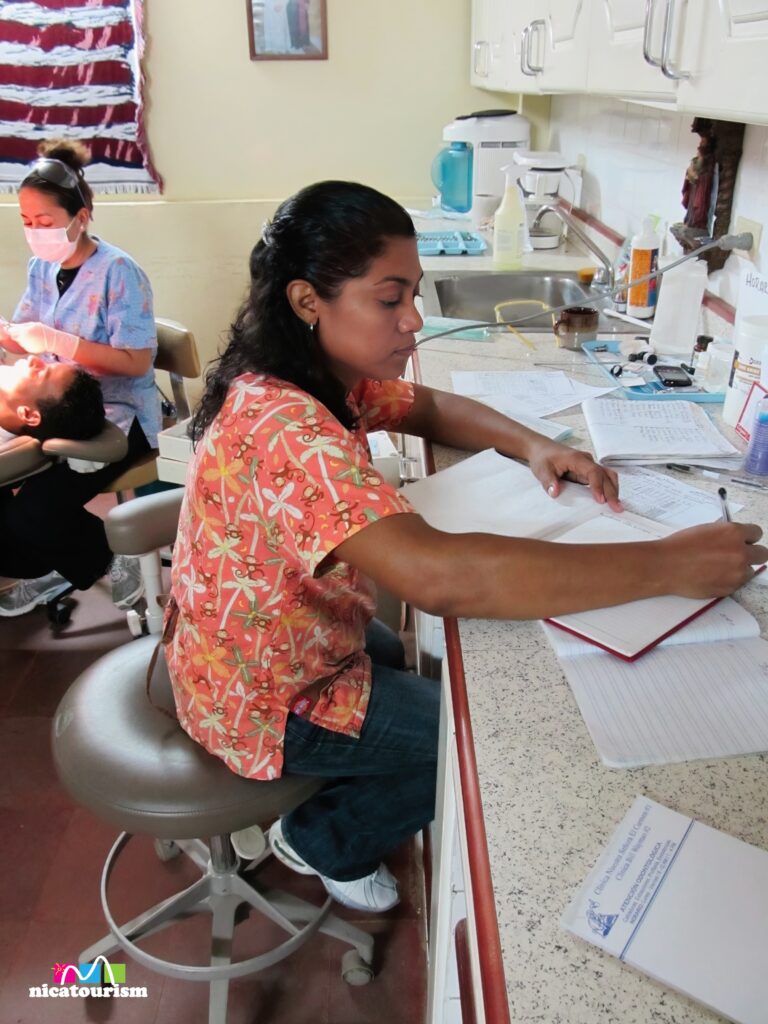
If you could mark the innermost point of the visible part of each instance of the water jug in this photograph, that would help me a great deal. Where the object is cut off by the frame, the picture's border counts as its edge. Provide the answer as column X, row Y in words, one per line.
column 452, row 175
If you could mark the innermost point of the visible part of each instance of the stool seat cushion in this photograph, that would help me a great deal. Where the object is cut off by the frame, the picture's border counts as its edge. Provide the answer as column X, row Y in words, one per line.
column 130, row 764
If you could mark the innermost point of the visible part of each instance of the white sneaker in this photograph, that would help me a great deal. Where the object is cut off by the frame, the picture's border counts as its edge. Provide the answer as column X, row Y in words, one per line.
column 126, row 579
column 377, row 891
column 28, row 594
column 249, row 843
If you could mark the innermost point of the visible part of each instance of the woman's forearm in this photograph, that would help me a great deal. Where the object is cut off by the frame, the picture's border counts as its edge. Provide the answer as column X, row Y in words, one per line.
column 121, row 362
column 464, row 423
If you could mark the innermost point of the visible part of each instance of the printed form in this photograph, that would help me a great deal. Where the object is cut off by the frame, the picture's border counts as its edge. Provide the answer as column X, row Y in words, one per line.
column 685, row 904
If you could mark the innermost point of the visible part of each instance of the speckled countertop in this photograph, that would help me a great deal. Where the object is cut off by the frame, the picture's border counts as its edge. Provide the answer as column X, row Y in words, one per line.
column 549, row 803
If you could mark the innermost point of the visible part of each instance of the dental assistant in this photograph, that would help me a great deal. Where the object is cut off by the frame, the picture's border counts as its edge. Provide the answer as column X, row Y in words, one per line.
column 87, row 303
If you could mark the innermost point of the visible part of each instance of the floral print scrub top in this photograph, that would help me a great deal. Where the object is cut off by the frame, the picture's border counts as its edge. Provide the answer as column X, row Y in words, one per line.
column 274, row 486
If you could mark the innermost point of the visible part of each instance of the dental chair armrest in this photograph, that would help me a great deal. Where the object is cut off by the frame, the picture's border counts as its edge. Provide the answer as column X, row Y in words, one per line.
column 144, row 524
column 21, row 457
column 110, row 445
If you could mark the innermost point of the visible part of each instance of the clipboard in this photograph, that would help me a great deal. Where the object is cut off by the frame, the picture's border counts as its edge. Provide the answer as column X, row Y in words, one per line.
column 653, row 390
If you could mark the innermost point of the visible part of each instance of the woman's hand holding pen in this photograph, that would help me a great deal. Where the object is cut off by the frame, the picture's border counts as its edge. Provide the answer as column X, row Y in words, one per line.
column 711, row 560
column 551, row 462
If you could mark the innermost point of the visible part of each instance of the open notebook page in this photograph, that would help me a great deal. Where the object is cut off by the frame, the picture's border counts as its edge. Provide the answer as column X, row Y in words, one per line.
column 489, row 493
column 628, row 629
column 678, row 703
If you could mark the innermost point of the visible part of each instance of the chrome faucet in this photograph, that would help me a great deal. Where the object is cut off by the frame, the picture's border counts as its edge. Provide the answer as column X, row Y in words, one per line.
column 605, row 277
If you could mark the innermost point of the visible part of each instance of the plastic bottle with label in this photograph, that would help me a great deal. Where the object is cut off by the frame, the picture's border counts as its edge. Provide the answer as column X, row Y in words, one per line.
column 749, row 344
column 676, row 321
column 756, row 460
column 643, row 259
column 509, row 226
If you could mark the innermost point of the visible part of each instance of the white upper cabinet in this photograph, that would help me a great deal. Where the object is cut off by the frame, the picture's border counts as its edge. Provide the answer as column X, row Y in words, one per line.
column 566, row 56
column 704, row 56
column 724, row 60
column 627, row 49
column 491, row 46
column 524, row 30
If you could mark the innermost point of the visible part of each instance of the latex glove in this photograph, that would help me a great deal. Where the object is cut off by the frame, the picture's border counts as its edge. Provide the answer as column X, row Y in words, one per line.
column 35, row 338
column 4, row 325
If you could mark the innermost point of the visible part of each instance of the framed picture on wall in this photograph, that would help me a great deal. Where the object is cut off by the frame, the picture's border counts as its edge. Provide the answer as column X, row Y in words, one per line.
column 287, row 29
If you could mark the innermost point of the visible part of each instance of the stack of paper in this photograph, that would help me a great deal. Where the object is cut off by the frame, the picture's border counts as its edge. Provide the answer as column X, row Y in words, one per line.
column 625, row 433
column 684, row 903
column 536, row 392
column 703, row 693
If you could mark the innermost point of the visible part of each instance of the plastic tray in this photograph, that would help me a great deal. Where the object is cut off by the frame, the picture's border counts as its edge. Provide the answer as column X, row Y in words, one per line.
column 654, row 390
column 450, row 243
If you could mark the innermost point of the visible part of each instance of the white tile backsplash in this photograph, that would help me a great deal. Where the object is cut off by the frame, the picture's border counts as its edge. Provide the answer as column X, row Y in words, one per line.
column 635, row 159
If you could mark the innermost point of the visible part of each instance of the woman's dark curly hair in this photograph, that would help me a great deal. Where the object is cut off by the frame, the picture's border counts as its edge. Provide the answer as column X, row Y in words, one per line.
column 325, row 234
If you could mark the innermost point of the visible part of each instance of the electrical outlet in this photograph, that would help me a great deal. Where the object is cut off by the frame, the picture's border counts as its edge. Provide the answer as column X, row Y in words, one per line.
column 743, row 224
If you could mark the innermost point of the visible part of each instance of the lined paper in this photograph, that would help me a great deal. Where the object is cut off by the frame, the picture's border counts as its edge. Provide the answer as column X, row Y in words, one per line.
column 636, row 432
column 679, row 703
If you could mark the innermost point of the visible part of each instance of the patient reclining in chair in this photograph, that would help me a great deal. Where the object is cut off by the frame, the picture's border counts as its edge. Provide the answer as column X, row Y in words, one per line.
column 47, row 400
column 43, row 400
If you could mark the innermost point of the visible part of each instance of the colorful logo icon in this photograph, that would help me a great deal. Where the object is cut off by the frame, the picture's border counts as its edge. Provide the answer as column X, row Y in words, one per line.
column 100, row 972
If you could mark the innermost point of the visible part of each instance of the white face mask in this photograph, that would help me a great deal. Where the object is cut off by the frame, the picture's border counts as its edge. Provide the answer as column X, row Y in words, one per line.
column 52, row 244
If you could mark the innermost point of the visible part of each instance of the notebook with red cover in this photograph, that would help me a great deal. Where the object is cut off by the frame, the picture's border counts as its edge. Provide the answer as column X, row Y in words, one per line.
column 629, row 631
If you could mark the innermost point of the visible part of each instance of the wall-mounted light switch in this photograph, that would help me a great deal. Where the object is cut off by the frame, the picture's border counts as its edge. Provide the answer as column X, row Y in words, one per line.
column 744, row 224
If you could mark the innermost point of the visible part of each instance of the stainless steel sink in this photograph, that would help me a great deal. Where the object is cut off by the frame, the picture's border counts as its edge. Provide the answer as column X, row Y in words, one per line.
column 476, row 296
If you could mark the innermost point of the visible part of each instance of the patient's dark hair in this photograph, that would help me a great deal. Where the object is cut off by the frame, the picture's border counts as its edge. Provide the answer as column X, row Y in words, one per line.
column 325, row 234
column 78, row 415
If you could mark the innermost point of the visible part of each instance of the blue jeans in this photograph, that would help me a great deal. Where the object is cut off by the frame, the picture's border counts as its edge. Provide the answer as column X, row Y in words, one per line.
column 383, row 788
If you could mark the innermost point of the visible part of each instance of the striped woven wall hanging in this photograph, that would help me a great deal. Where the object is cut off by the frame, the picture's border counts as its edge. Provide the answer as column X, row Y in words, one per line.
column 72, row 69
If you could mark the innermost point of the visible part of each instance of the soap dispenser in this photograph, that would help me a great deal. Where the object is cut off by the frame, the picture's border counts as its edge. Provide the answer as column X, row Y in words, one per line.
column 509, row 225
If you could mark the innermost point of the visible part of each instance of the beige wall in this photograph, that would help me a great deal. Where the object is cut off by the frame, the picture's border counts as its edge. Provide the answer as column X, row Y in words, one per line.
column 232, row 137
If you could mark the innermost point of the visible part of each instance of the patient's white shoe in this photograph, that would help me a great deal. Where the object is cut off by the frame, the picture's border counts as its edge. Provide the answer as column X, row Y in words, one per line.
column 376, row 892
column 28, row 594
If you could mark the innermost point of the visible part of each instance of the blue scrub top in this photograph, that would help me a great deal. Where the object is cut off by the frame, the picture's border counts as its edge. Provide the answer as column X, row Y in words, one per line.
column 109, row 302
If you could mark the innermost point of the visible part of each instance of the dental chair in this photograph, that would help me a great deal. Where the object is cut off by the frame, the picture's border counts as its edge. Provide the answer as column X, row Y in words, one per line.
column 130, row 762
column 177, row 356
column 24, row 456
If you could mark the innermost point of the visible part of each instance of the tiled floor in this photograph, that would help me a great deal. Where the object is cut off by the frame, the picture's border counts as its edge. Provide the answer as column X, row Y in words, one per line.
column 51, row 852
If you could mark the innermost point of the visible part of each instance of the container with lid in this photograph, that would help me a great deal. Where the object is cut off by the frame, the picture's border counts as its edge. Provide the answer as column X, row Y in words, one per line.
column 749, row 345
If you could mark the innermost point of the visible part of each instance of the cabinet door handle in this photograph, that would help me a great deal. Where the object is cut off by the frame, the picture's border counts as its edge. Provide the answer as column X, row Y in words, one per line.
column 647, row 30
column 479, row 47
column 535, row 25
column 666, row 46
column 524, row 45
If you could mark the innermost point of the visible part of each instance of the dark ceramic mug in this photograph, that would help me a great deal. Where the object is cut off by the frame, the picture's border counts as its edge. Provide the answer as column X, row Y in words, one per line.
column 576, row 324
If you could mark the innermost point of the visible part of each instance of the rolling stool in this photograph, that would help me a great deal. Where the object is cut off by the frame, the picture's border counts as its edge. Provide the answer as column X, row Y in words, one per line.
column 129, row 763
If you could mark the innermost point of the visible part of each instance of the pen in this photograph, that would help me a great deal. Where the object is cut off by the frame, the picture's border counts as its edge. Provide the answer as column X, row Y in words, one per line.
column 723, row 496
column 678, row 467
column 748, row 483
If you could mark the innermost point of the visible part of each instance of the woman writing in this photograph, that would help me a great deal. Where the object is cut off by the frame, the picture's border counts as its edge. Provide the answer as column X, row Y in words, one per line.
column 90, row 304
column 285, row 522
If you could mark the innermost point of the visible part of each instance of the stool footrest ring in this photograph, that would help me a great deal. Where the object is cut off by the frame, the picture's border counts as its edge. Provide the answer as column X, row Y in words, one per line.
column 203, row 896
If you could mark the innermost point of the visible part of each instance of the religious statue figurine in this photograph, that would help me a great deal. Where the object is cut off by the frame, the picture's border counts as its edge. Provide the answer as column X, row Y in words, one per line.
column 697, row 187
column 708, row 208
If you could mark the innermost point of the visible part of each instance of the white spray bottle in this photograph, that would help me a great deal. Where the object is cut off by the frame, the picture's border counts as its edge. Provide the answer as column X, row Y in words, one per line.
column 509, row 225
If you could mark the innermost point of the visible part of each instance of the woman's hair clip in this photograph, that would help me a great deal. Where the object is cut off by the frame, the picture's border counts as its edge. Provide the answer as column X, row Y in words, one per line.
column 266, row 232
